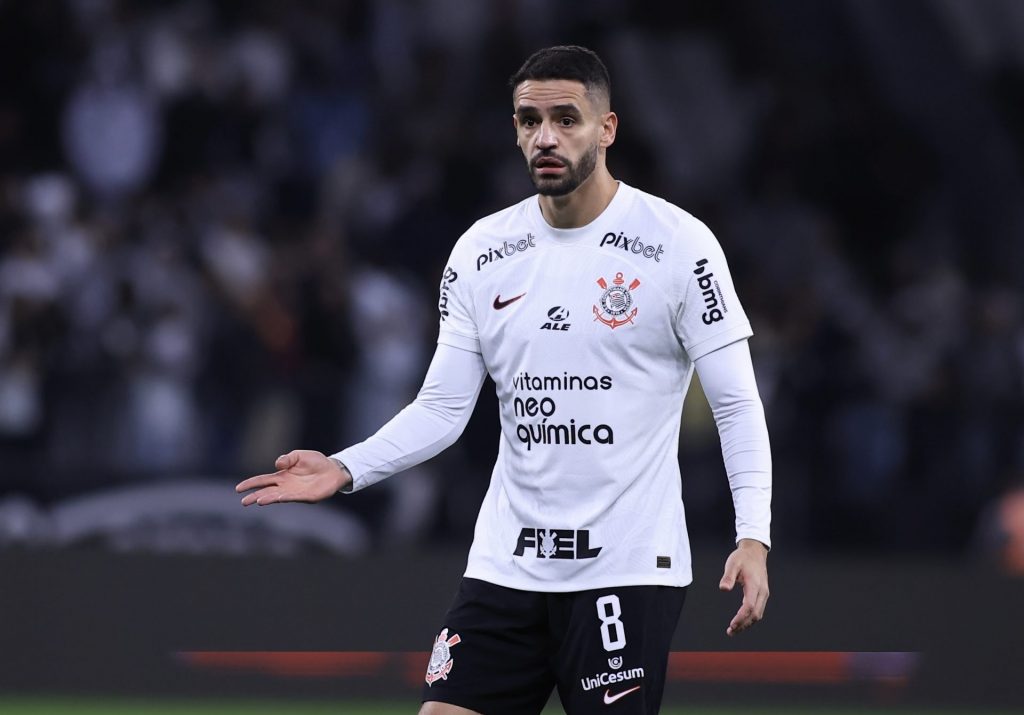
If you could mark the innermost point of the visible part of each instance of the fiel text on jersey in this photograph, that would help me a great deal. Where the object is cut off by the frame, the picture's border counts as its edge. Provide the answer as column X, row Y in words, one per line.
column 556, row 543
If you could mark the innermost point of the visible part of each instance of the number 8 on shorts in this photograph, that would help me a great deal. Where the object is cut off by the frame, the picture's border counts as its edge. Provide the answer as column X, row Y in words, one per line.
column 613, row 633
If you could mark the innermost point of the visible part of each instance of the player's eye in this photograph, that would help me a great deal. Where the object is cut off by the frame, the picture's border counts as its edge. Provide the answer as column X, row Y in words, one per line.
column 529, row 122
column 567, row 121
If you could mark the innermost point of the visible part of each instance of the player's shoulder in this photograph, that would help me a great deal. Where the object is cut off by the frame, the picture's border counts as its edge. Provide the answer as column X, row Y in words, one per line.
column 505, row 232
column 498, row 225
column 507, row 219
column 673, row 220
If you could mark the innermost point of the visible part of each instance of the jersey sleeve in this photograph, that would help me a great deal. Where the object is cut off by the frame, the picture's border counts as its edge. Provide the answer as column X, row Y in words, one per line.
column 710, row 315
column 727, row 376
column 458, row 326
column 429, row 425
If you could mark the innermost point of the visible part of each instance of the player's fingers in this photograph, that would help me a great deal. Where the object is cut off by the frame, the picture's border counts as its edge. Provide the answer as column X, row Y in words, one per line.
column 286, row 461
column 729, row 577
column 266, row 497
column 740, row 621
column 745, row 612
column 762, row 602
column 752, row 610
column 250, row 498
column 753, row 599
column 257, row 482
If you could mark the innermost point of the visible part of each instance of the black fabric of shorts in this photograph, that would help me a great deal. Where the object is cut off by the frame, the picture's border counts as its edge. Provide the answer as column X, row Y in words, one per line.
column 502, row 651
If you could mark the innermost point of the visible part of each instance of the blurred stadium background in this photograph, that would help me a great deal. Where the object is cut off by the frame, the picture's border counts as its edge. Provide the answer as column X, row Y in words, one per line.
column 222, row 225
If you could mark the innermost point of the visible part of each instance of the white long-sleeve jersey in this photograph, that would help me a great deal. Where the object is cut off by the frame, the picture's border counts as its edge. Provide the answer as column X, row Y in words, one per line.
column 591, row 336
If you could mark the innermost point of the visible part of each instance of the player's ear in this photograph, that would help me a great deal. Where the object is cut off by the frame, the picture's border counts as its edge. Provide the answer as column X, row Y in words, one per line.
column 515, row 126
column 609, row 125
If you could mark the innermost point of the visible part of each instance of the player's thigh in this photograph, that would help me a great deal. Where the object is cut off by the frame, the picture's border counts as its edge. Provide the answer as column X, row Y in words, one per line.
column 615, row 647
column 436, row 708
column 491, row 656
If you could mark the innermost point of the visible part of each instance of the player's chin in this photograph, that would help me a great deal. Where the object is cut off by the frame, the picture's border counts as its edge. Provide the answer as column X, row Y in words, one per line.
column 553, row 186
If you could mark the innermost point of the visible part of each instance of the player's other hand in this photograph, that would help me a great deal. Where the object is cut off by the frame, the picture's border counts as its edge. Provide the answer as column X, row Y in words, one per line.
column 302, row 475
column 747, row 566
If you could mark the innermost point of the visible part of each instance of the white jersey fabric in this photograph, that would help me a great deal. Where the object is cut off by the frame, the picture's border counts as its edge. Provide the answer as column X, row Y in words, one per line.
column 590, row 335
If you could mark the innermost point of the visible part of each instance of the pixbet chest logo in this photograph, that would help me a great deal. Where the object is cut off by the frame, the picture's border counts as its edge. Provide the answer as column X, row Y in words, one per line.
column 505, row 250
column 632, row 245
column 613, row 308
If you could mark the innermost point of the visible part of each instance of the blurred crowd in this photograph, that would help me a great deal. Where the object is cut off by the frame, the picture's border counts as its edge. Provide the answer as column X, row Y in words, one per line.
column 222, row 226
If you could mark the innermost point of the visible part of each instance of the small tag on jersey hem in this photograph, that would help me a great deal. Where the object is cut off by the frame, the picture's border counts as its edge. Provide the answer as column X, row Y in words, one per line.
column 664, row 562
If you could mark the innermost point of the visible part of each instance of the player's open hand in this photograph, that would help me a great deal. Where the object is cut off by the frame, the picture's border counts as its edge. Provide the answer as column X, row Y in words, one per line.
column 302, row 475
column 747, row 566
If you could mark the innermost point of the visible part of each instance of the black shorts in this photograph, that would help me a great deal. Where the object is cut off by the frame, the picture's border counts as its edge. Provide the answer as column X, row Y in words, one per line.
column 503, row 650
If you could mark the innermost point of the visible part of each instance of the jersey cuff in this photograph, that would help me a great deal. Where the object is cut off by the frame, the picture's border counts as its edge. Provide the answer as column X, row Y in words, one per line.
column 760, row 536
column 355, row 467
column 719, row 340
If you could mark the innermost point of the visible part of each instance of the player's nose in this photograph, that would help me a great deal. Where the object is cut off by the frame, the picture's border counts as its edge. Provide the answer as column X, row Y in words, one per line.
column 547, row 138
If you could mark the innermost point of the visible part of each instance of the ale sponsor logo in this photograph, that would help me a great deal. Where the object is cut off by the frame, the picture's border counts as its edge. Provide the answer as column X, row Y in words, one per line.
column 556, row 319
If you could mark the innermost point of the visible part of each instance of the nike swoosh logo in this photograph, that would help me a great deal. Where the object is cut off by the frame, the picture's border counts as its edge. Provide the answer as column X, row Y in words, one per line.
column 609, row 698
column 499, row 303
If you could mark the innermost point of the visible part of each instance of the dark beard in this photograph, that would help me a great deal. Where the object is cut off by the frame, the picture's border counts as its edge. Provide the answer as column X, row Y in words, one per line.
column 575, row 174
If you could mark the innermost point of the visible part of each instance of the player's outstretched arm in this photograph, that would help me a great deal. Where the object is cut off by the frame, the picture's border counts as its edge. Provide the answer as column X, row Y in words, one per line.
column 747, row 566
column 302, row 475
column 727, row 375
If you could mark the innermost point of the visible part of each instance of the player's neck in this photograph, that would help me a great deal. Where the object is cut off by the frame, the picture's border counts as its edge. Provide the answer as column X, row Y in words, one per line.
column 583, row 205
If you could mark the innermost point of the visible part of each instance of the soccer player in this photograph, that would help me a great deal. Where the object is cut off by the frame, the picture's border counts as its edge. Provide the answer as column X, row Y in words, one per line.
column 590, row 305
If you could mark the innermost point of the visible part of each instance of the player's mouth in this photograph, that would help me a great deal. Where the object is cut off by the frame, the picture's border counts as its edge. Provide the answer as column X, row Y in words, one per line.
column 548, row 166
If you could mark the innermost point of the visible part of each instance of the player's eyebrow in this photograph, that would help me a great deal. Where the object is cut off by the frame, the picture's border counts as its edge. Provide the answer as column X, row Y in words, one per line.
column 567, row 109
column 560, row 110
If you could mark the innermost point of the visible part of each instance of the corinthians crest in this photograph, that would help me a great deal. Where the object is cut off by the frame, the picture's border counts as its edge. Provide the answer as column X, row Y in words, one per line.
column 616, row 301
column 441, row 657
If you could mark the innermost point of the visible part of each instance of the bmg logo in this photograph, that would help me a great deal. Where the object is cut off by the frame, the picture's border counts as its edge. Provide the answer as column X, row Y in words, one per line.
column 712, row 294
column 449, row 277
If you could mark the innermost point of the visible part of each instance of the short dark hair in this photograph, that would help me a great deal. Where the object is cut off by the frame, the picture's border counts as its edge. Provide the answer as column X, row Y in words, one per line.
column 570, row 62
